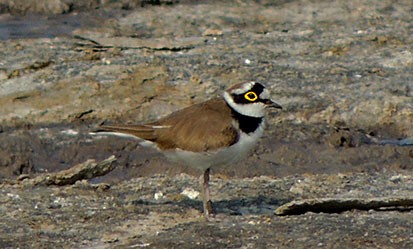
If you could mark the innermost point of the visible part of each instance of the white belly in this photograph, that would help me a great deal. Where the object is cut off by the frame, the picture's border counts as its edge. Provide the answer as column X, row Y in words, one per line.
column 219, row 158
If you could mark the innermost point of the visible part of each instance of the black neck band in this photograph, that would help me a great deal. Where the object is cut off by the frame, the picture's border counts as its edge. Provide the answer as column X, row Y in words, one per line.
column 247, row 124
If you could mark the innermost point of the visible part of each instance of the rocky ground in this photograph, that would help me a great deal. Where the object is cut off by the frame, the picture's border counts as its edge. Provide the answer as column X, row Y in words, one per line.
column 341, row 70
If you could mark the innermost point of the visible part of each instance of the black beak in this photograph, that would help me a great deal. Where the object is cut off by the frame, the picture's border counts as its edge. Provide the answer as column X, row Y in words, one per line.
column 271, row 104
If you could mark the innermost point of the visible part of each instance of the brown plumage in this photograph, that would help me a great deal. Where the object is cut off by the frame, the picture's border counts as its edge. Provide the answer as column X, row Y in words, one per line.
column 215, row 133
column 211, row 130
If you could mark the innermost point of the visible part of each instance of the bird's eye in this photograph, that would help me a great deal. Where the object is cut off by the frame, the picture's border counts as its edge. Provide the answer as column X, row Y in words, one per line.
column 251, row 96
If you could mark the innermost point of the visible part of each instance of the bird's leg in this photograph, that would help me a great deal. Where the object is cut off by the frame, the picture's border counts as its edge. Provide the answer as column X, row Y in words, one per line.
column 207, row 203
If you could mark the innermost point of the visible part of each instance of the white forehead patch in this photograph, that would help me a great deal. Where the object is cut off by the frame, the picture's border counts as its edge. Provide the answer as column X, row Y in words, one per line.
column 265, row 94
column 243, row 88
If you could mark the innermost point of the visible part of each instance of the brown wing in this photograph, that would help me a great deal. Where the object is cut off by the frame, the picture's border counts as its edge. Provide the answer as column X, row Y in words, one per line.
column 201, row 127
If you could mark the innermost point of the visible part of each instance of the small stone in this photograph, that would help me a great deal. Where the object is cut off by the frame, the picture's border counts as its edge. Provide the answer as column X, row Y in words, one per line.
column 23, row 177
column 158, row 195
column 110, row 238
column 190, row 193
column 102, row 186
column 212, row 32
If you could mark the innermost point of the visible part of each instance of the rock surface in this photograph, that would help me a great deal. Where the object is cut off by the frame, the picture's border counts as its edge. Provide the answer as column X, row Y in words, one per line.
column 341, row 70
column 156, row 212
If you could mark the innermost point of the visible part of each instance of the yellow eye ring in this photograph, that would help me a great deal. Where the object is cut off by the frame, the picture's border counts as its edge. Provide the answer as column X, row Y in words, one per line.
column 251, row 96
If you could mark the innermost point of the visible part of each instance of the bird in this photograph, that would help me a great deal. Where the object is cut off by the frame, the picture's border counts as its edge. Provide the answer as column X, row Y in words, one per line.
column 215, row 133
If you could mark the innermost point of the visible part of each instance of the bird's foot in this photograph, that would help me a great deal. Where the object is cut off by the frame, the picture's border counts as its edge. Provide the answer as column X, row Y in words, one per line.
column 208, row 210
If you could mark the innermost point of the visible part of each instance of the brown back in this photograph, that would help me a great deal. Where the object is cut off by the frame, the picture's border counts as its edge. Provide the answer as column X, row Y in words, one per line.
column 200, row 127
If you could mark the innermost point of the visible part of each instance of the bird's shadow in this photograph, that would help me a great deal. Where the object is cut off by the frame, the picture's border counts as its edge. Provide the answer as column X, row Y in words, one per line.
column 256, row 205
